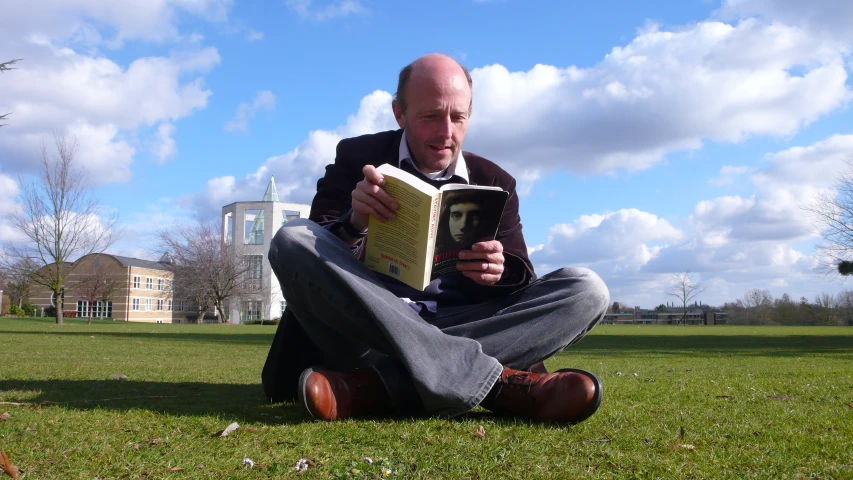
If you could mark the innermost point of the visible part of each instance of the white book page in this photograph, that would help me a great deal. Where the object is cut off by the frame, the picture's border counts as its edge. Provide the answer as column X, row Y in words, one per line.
column 417, row 183
column 465, row 186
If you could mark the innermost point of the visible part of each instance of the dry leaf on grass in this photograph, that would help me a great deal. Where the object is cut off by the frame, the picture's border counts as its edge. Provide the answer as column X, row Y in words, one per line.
column 176, row 469
column 678, row 440
column 118, row 376
column 687, row 446
column 4, row 416
column 481, row 432
column 228, row 430
column 849, row 405
column 6, row 465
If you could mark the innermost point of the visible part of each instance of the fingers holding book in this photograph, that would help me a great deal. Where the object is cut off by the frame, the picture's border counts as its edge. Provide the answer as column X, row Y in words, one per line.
column 369, row 199
column 484, row 263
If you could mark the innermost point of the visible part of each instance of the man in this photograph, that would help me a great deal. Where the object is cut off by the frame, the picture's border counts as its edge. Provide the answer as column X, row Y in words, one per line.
column 357, row 343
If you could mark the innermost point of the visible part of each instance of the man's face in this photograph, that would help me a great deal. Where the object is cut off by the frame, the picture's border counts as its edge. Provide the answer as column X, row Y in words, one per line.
column 464, row 221
column 436, row 119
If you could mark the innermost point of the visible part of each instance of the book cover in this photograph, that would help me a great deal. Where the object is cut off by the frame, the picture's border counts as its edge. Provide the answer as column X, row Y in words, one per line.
column 431, row 227
column 467, row 216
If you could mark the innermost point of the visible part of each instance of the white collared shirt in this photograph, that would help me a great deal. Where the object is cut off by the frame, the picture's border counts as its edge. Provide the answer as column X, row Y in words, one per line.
column 458, row 167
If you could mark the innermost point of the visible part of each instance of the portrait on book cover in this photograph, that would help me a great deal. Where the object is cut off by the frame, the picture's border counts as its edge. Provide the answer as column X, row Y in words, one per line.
column 468, row 217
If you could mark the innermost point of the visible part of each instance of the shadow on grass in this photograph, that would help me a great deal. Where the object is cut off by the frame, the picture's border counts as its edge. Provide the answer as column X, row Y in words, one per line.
column 241, row 403
column 254, row 338
column 737, row 345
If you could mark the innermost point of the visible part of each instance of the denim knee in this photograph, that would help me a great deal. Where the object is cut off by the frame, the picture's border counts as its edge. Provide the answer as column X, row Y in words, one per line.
column 586, row 283
column 292, row 237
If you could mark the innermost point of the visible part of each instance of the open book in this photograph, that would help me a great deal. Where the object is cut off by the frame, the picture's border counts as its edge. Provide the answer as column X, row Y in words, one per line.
column 432, row 225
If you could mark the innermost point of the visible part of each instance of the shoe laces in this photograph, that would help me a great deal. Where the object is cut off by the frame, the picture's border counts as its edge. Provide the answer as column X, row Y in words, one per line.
column 520, row 379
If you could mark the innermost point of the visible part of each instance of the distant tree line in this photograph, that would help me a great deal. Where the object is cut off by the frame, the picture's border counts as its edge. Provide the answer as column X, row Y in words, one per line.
column 758, row 307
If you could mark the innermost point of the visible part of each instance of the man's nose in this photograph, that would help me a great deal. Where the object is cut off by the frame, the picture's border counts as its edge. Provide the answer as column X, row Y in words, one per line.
column 445, row 127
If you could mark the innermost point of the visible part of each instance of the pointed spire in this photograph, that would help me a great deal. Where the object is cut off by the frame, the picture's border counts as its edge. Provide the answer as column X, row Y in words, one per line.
column 271, row 195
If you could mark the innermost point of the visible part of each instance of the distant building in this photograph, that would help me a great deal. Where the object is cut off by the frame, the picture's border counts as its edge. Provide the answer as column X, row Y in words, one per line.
column 247, row 230
column 141, row 291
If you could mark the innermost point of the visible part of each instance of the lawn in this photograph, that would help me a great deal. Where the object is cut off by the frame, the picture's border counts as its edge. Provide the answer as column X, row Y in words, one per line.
column 679, row 402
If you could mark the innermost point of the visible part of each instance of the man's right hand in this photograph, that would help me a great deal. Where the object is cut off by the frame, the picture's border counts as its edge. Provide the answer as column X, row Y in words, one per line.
column 369, row 199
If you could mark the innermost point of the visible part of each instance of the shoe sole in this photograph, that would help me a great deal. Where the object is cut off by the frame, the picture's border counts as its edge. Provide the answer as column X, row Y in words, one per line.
column 303, row 379
column 596, row 399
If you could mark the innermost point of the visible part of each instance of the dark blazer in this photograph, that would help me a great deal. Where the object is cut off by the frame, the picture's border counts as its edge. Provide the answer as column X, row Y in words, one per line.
column 292, row 351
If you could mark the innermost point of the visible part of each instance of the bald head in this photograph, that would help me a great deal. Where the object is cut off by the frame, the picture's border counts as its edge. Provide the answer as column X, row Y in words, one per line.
column 432, row 67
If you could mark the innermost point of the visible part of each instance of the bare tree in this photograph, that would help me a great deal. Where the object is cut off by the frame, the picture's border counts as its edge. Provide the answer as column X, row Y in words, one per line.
column 758, row 302
column 5, row 66
column 833, row 212
column 19, row 279
column 844, row 305
column 685, row 289
column 757, row 298
column 786, row 310
column 94, row 283
column 60, row 218
column 205, row 272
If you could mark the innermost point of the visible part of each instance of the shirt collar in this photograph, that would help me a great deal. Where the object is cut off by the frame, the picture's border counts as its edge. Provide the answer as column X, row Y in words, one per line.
column 458, row 167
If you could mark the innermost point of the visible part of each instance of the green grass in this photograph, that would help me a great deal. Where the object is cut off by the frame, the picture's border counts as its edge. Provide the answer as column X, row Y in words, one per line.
column 753, row 402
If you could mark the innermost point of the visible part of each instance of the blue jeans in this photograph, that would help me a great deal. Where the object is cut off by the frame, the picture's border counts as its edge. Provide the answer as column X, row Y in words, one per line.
column 443, row 363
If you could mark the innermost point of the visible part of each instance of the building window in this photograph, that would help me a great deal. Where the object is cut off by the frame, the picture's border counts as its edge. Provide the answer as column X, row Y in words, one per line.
column 251, row 311
column 160, row 305
column 103, row 309
column 136, row 282
column 82, row 309
column 135, row 305
column 149, row 283
column 228, row 225
column 253, row 228
column 147, row 304
column 180, row 305
column 287, row 215
column 254, row 265
column 160, row 284
column 169, row 305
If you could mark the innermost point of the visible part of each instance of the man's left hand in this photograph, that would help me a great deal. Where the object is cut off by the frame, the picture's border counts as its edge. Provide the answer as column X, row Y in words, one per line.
column 484, row 263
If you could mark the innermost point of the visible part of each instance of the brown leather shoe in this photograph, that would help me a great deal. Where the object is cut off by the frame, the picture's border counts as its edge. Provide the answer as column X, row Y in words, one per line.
column 330, row 395
column 568, row 395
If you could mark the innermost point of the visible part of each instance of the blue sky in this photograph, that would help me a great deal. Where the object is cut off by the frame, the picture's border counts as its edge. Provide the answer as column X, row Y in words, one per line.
column 648, row 139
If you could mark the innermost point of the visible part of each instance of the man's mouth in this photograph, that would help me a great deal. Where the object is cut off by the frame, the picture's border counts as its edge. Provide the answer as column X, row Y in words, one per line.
column 441, row 148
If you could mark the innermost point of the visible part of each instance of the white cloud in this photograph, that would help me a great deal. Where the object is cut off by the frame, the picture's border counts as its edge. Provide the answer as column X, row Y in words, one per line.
column 665, row 91
column 86, row 22
column 728, row 175
column 254, row 35
column 340, row 8
column 164, row 146
column 732, row 242
column 629, row 237
column 264, row 100
column 827, row 18
column 103, row 104
column 8, row 195
column 296, row 172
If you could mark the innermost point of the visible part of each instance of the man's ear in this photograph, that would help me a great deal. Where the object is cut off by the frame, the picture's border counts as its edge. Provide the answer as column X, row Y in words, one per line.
column 398, row 114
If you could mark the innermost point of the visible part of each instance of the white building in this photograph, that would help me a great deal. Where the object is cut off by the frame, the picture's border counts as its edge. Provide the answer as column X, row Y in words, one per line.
column 248, row 229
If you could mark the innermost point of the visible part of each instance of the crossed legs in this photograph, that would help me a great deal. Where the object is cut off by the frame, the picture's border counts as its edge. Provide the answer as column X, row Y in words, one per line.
column 444, row 363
